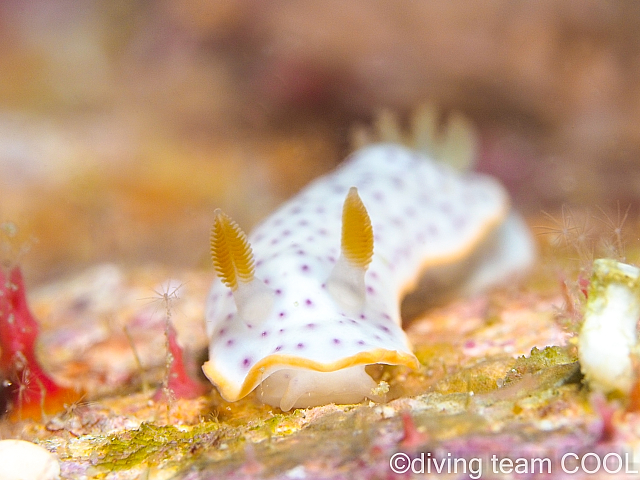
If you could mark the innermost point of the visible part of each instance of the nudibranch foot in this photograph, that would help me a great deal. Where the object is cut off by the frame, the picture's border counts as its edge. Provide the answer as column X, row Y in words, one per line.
column 302, row 388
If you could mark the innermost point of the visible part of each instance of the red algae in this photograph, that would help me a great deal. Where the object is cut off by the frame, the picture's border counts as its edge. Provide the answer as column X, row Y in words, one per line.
column 178, row 383
column 412, row 437
column 29, row 391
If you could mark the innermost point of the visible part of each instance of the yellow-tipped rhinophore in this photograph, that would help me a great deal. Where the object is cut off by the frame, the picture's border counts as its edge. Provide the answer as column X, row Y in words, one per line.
column 357, row 233
column 230, row 251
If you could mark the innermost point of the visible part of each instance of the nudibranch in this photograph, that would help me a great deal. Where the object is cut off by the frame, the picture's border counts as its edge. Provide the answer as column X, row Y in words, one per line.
column 303, row 305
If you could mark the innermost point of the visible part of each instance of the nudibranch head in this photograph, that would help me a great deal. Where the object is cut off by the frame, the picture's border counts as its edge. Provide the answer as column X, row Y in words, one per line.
column 324, row 301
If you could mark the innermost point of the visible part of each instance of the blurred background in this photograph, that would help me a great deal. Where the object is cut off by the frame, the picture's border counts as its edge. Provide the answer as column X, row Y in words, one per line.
column 124, row 124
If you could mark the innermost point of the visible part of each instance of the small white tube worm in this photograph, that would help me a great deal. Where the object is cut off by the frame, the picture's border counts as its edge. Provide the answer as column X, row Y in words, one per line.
column 608, row 337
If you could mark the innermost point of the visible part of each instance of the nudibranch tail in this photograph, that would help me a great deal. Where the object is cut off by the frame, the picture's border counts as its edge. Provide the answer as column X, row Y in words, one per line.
column 234, row 263
column 230, row 251
column 346, row 282
column 357, row 233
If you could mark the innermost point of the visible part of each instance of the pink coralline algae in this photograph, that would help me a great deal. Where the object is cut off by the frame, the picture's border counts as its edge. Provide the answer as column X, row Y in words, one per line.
column 178, row 384
column 28, row 392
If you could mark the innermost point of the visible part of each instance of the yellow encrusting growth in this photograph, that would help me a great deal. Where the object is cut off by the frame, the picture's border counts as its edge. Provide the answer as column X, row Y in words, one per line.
column 357, row 233
column 230, row 251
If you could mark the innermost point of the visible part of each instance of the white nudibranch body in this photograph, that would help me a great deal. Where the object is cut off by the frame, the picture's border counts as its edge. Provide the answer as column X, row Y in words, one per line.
column 334, row 307
column 608, row 337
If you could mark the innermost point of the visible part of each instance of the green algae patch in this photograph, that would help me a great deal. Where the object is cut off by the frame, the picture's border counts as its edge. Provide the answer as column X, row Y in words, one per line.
column 543, row 369
column 152, row 445
column 541, row 359
column 436, row 354
column 480, row 378
column 490, row 375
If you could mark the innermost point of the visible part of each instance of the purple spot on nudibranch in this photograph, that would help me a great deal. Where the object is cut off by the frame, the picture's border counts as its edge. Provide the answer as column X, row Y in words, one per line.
column 446, row 208
column 378, row 196
column 229, row 317
column 258, row 263
column 274, row 241
column 311, row 325
column 370, row 290
column 229, row 293
column 308, row 302
column 295, row 210
column 278, row 348
column 410, row 212
column 384, row 328
column 265, row 333
column 281, row 330
column 366, row 178
column 322, row 231
column 459, row 222
column 277, row 222
column 246, row 362
column 397, row 182
column 266, row 281
column 278, row 291
column 304, row 268
column 303, row 223
column 336, row 341
column 230, row 342
column 360, row 342
column 320, row 210
column 386, row 316
column 286, row 233
column 300, row 252
column 222, row 331
column 363, row 316
column 300, row 345
column 282, row 314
